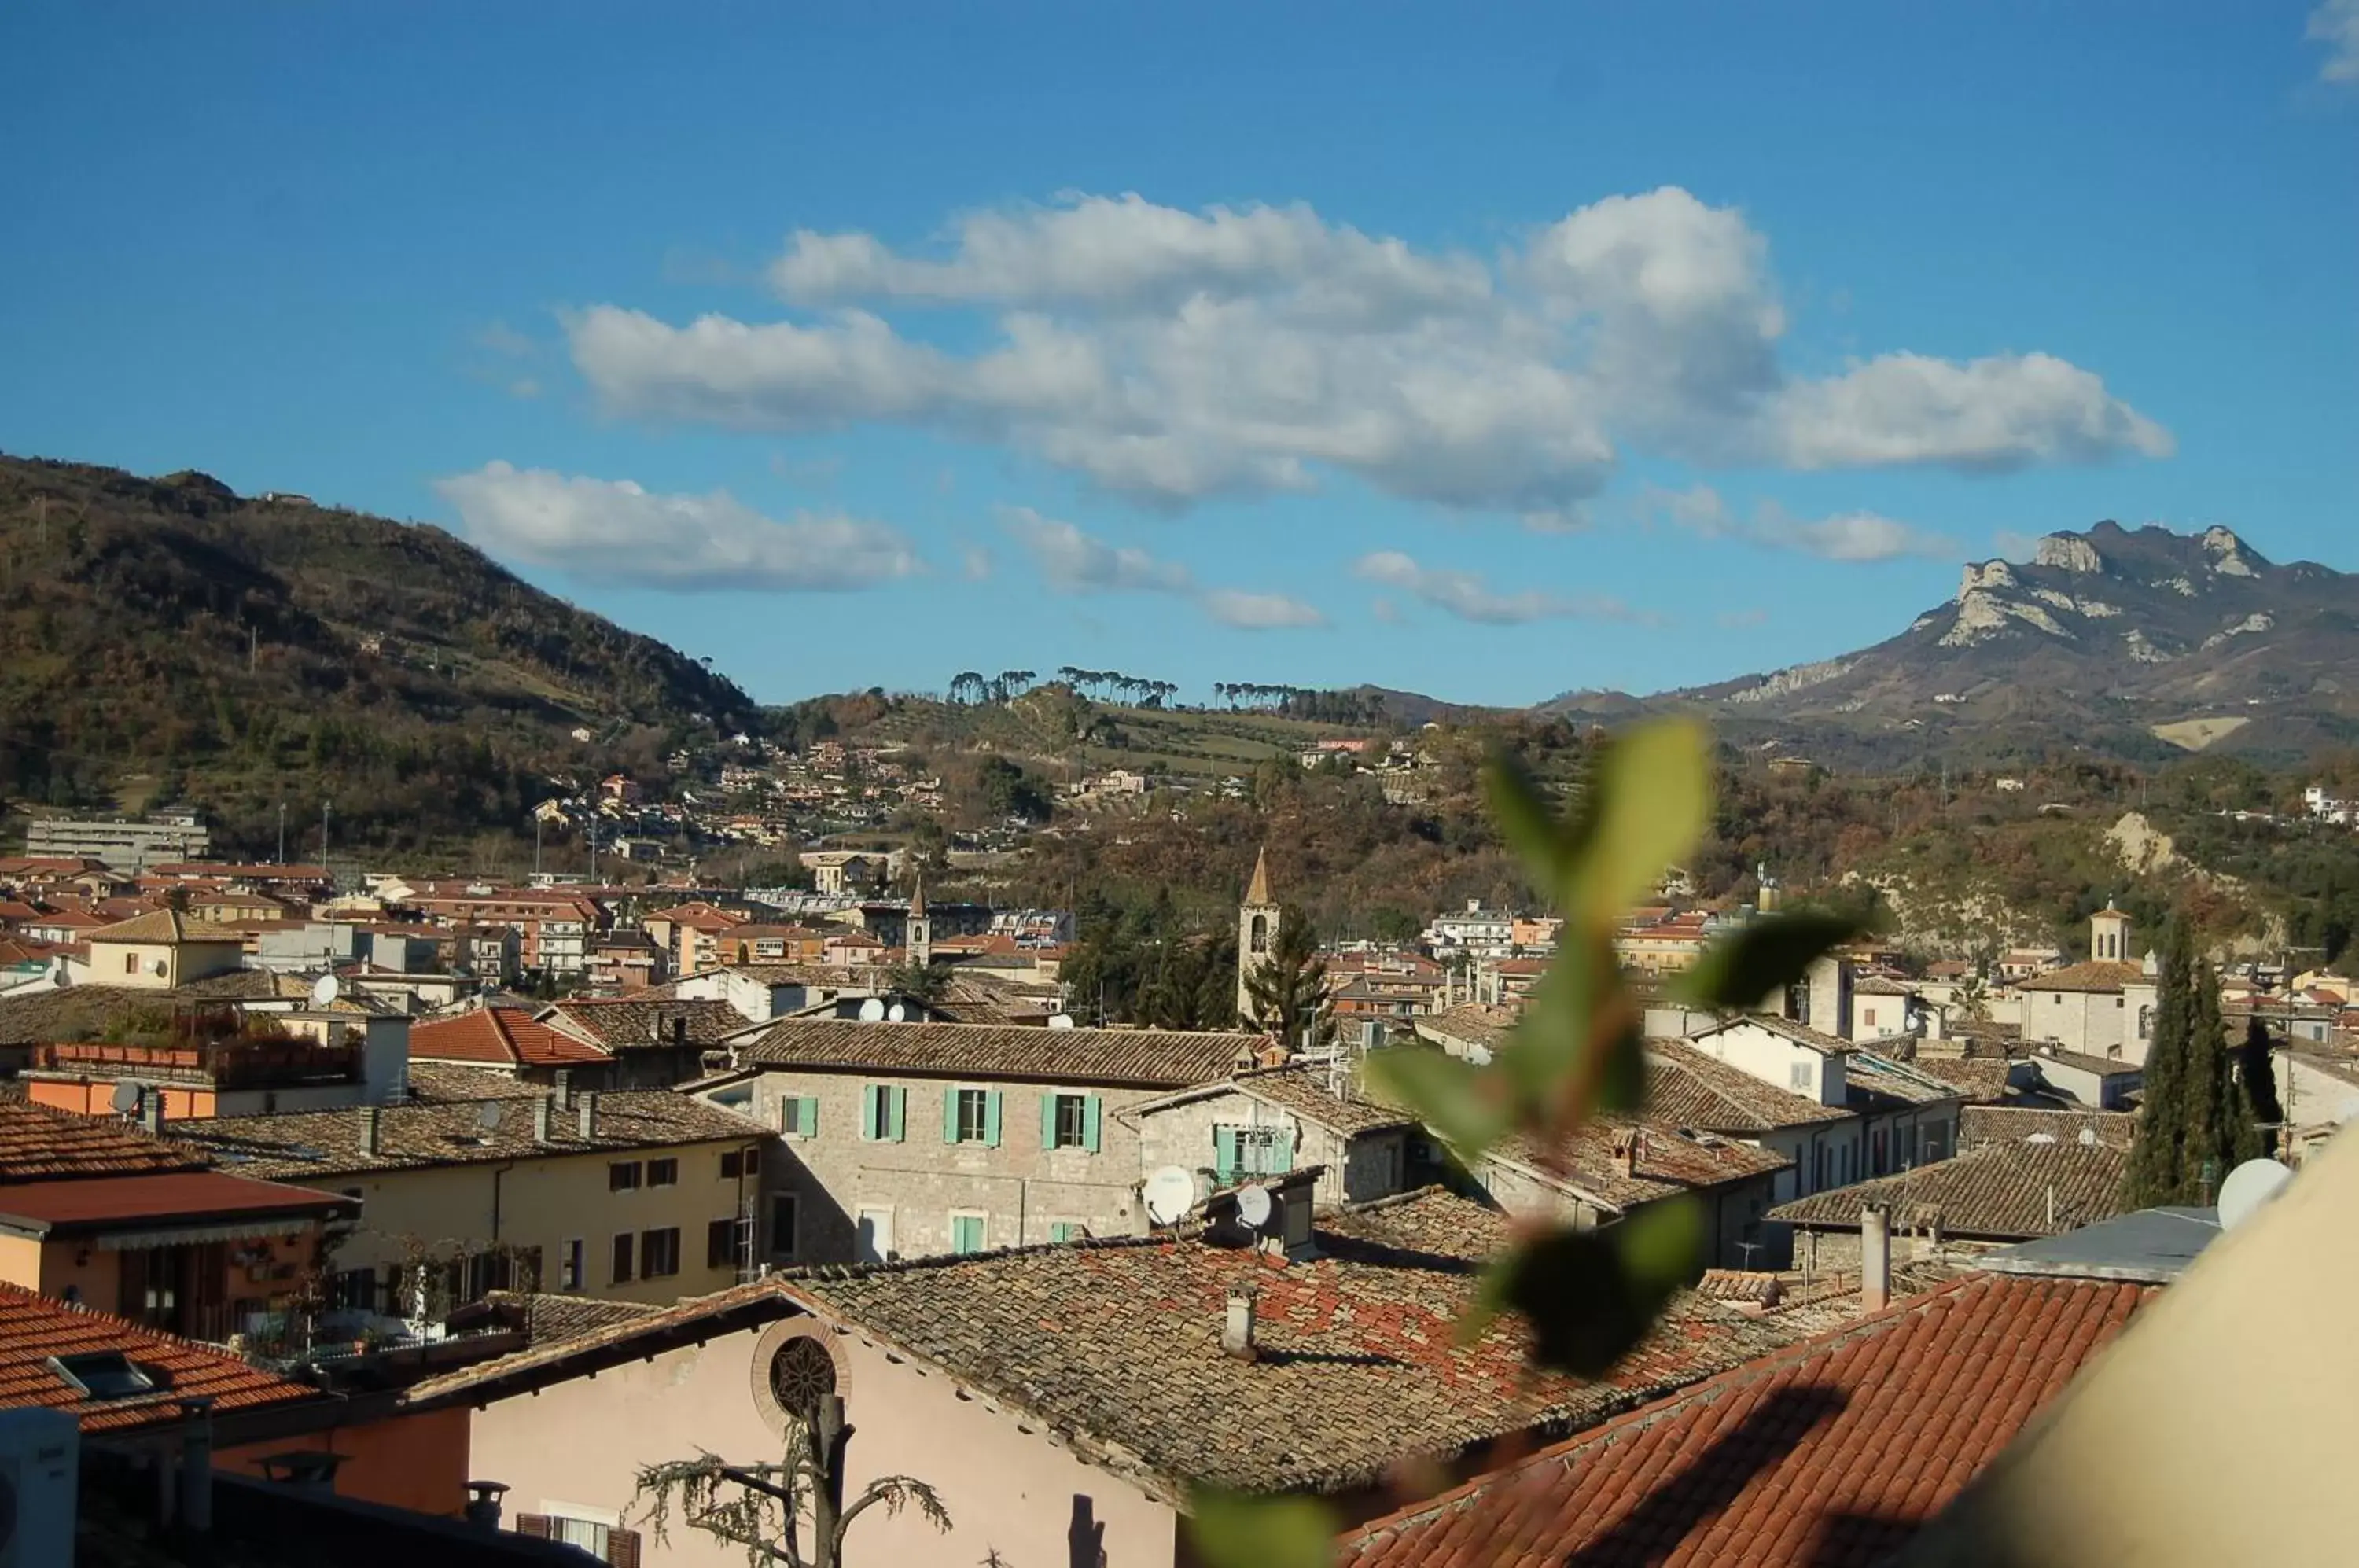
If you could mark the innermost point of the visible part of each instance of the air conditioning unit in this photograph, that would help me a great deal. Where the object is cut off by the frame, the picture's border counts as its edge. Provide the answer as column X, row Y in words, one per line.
column 40, row 1457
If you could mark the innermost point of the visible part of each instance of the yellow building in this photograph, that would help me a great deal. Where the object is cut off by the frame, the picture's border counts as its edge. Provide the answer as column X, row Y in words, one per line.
column 160, row 950
column 637, row 1195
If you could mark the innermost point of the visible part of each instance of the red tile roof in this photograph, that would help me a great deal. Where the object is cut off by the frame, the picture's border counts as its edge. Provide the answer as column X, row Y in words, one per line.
column 1835, row 1451
column 38, row 1144
column 508, row 1036
column 33, row 1329
column 2096, row 974
column 175, row 1198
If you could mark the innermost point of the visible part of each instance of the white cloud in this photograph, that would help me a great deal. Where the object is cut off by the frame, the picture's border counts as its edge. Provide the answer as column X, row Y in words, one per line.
column 1075, row 562
column 1846, row 535
column 1079, row 562
column 1466, row 595
column 2335, row 24
column 1259, row 612
column 1173, row 355
column 504, row 339
column 614, row 529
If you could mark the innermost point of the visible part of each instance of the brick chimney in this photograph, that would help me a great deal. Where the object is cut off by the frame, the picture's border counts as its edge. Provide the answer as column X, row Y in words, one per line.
column 1629, row 1147
column 585, row 1108
column 1237, row 1324
column 368, row 1129
column 151, row 1110
column 1875, row 1258
column 543, row 1111
column 564, row 1088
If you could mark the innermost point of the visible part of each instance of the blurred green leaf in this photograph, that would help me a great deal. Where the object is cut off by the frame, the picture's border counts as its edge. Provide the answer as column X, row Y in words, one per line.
column 1237, row 1531
column 1740, row 971
column 1525, row 819
column 1591, row 1295
column 1493, row 1292
column 1648, row 799
column 1622, row 1086
column 1451, row 1097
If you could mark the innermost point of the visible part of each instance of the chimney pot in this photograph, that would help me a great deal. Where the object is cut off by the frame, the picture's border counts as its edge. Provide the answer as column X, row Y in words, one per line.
column 586, row 1108
column 1875, row 1258
column 1237, row 1324
column 368, row 1129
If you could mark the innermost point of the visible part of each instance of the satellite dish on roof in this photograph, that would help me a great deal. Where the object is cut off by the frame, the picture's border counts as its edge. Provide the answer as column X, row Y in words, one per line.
column 872, row 1010
column 1170, row 1193
column 2041, row 1138
column 897, row 1014
column 1254, row 1205
column 488, row 1119
column 324, row 991
column 2249, row 1186
column 126, row 1098
column 1060, row 1020
column 2088, row 1137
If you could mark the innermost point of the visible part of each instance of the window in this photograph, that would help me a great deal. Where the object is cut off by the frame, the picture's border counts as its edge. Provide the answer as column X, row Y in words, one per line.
column 882, row 1110
column 660, row 1253
column 1242, row 1151
column 620, row 1274
column 784, row 1217
column 1067, row 1230
column 1259, row 940
column 733, row 1165
column 966, row 1232
column 1069, row 1121
column 103, row 1375
column 799, row 1116
column 131, row 962
column 970, row 1115
column 1798, row 1075
column 353, row 1289
column 754, row 1156
column 569, row 1266
column 623, row 1176
column 663, row 1172
column 721, row 1244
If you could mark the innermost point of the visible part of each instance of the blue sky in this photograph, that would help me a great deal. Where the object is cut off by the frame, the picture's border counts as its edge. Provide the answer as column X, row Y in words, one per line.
column 1488, row 354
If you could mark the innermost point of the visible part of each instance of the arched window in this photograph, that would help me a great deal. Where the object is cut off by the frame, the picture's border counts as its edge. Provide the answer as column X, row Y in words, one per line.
column 2146, row 1023
column 1258, row 941
column 801, row 1374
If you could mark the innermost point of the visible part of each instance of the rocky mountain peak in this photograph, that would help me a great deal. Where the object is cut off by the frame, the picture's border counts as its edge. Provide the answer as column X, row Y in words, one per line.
column 2069, row 552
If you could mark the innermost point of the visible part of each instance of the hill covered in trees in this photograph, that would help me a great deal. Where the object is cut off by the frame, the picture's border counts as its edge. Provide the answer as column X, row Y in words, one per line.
column 169, row 639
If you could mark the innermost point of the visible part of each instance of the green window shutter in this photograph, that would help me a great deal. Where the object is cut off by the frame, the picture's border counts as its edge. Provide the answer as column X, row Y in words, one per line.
column 949, row 1114
column 807, row 1118
column 900, row 1105
column 868, row 1107
column 1091, row 1108
column 1048, row 1122
column 1281, row 1155
column 1064, row 1231
column 1224, row 1153
column 966, row 1233
column 991, row 1119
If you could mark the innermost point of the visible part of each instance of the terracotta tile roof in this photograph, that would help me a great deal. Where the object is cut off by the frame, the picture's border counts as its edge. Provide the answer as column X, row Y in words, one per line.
column 499, row 1036
column 1980, row 1079
column 549, row 1318
column 2096, row 974
column 629, row 1023
column 2106, row 1066
column 1785, row 1028
column 1155, row 1058
column 2012, row 1123
column 1471, row 1023
column 1835, row 1451
column 34, row 1329
column 1114, row 1347
column 1668, row 1161
column 440, row 1081
column 1740, row 1285
column 113, row 1203
column 1694, row 1088
column 1303, row 1092
column 75, row 1012
column 1874, row 1081
column 37, row 1144
column 304, row 1146
column 163, row 926
column 2010, row 1192
column 1881, row 986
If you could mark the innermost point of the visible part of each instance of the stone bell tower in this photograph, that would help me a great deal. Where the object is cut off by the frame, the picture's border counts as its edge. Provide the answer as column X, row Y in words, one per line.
column 2109, row 935
column 1257, row 921
column 919, row 937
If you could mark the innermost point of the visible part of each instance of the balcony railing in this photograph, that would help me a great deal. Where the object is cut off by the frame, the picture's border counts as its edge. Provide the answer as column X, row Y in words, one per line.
column 222, row 1064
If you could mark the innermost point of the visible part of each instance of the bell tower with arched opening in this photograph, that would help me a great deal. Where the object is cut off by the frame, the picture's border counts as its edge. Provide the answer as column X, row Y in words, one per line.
column 1257, row 922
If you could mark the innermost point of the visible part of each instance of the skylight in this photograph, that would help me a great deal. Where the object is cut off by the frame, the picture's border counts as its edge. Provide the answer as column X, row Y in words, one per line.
column 105, row 1375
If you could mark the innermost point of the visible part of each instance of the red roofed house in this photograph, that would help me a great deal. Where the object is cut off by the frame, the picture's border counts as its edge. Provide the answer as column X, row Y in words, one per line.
column 689, row 934
column 511, row 1040
column 103, row 1213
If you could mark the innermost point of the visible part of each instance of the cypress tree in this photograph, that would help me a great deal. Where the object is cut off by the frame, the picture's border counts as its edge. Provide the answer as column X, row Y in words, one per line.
column 2256, row 1073
column 1286, row 992
column 2156, row 1161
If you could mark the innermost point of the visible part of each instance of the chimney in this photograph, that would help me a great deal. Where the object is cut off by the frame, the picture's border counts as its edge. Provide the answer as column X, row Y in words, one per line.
column 196, row 1500
column 1628, row 1144
column 1875, row 1258
column 680, row 1028
column 543, row 1111
column 1237, row 1324
column 586, row 1107
column 368, row 1129
column 151, row 1110
column 483, row 1505
column 564, row 1088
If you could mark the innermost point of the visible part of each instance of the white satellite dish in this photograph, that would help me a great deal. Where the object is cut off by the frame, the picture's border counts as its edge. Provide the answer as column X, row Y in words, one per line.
column 872, row 1011
column 324, row 991
column 1170, row 1193
column 126, row 1098
column 488, row 1119
column 2088, row 1137
column 1254, row 1205
column 2041, row 1138
column 897, row 1014
column 1060, row 1020
column 2248, row 1186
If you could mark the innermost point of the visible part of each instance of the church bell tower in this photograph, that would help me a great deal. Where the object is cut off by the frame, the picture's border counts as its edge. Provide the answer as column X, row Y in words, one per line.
column 1257, row 921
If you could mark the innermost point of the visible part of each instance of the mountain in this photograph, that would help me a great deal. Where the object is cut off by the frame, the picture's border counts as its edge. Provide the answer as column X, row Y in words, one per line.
column 170, row 640
column 2130, row 642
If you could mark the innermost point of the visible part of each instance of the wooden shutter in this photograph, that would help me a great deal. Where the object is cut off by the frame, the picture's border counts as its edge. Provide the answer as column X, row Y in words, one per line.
column 991, row 1119
column 951, row 1113
column 1281, row 1153
column 1224, row 1153
column 622, row 1549
column 806, row 1124
column 1048, row 1121
column 899, row 1108
column 1090, row 1109
column 870, row 1103
column 534, row 1525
